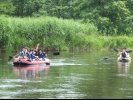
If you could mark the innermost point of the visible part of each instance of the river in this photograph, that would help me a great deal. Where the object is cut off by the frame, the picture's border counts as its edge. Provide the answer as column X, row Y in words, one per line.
column 71, row 75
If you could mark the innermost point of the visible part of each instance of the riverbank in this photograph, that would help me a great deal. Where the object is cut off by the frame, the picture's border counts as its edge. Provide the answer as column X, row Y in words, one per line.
column 56, row 35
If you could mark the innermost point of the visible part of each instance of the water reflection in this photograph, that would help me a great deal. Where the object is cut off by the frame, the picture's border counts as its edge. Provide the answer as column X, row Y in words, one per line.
column 31, row 72
column 123, row 67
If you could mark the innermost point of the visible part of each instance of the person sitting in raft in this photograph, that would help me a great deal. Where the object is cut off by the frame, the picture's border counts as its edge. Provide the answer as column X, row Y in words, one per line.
column 33, row 51
column 24, row 54
column 36, row 48
column 123, row 54
column 128, row 55
column 40, row 54
column 32, row 54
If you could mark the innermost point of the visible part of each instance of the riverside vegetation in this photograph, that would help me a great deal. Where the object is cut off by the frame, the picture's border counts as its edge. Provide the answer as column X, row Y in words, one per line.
column 56, row 34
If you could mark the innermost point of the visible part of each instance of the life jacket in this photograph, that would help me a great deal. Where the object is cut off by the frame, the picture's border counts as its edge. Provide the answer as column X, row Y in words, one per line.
column 24, row 54
column 32, row 55
column 42, row 55
column 124, row 54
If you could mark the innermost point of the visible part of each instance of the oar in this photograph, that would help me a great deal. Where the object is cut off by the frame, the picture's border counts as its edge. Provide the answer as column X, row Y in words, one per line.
column 128, row 51
column 10, row 57
column 105, row 58
column 115, row 50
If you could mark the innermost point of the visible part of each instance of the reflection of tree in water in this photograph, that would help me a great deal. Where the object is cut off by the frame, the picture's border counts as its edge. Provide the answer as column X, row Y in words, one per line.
column 31, row 72
column 123, row 67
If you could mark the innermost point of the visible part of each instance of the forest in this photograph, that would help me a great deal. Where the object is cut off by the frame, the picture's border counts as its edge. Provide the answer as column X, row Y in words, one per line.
column 66, row 24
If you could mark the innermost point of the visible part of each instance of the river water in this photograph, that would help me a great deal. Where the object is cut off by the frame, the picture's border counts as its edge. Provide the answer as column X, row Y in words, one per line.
column 71, row 75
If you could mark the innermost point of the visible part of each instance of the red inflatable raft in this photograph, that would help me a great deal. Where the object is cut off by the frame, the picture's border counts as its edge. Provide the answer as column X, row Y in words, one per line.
column 18, row 61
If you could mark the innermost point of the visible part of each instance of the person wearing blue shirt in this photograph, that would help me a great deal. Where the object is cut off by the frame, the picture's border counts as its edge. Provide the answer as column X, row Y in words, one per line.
column 24, row 53
column 40, row 54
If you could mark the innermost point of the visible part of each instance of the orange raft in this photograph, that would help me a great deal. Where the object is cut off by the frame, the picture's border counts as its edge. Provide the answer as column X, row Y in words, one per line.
column 18, row 61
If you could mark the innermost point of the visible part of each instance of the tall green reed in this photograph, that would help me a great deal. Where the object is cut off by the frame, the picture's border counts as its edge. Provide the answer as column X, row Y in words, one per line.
column 55, row 34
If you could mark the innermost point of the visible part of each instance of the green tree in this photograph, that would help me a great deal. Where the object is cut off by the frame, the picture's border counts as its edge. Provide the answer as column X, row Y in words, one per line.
column 6, row 7
column 129, row 4
column 59, row 8
column 108, row 16
column 27, row 7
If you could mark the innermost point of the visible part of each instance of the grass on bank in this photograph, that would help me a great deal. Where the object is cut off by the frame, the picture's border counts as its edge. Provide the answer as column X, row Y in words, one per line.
column 55, row 34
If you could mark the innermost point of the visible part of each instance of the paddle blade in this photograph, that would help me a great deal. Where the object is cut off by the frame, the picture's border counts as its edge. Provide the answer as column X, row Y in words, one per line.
column 115, row 50
column 129, row 51
column 10, row 57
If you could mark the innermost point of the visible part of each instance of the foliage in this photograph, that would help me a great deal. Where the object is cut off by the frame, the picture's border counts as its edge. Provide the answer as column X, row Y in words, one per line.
column 79, row 24
column 6, row 7
column 4, row 30
column 52, row 33
column 113, row 17
column 109, row 16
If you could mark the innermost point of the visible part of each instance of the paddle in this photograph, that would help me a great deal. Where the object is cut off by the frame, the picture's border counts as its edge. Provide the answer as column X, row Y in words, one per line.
column 115, row 50
column 128, row 51
column 10, row 57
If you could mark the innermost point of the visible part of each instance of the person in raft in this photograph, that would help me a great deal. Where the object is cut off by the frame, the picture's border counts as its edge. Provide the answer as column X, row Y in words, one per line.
column 36, row 48
column 33, row 51
column 24, row 54
column 123, row 54
column 32, row 54
column 40, row 54
column 128, row 55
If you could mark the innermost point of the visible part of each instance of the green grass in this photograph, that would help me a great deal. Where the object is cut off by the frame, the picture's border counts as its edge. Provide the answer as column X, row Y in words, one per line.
column 55, row 34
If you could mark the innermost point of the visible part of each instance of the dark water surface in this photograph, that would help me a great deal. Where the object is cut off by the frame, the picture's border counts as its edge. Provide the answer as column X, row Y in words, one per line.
column 71, row 75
